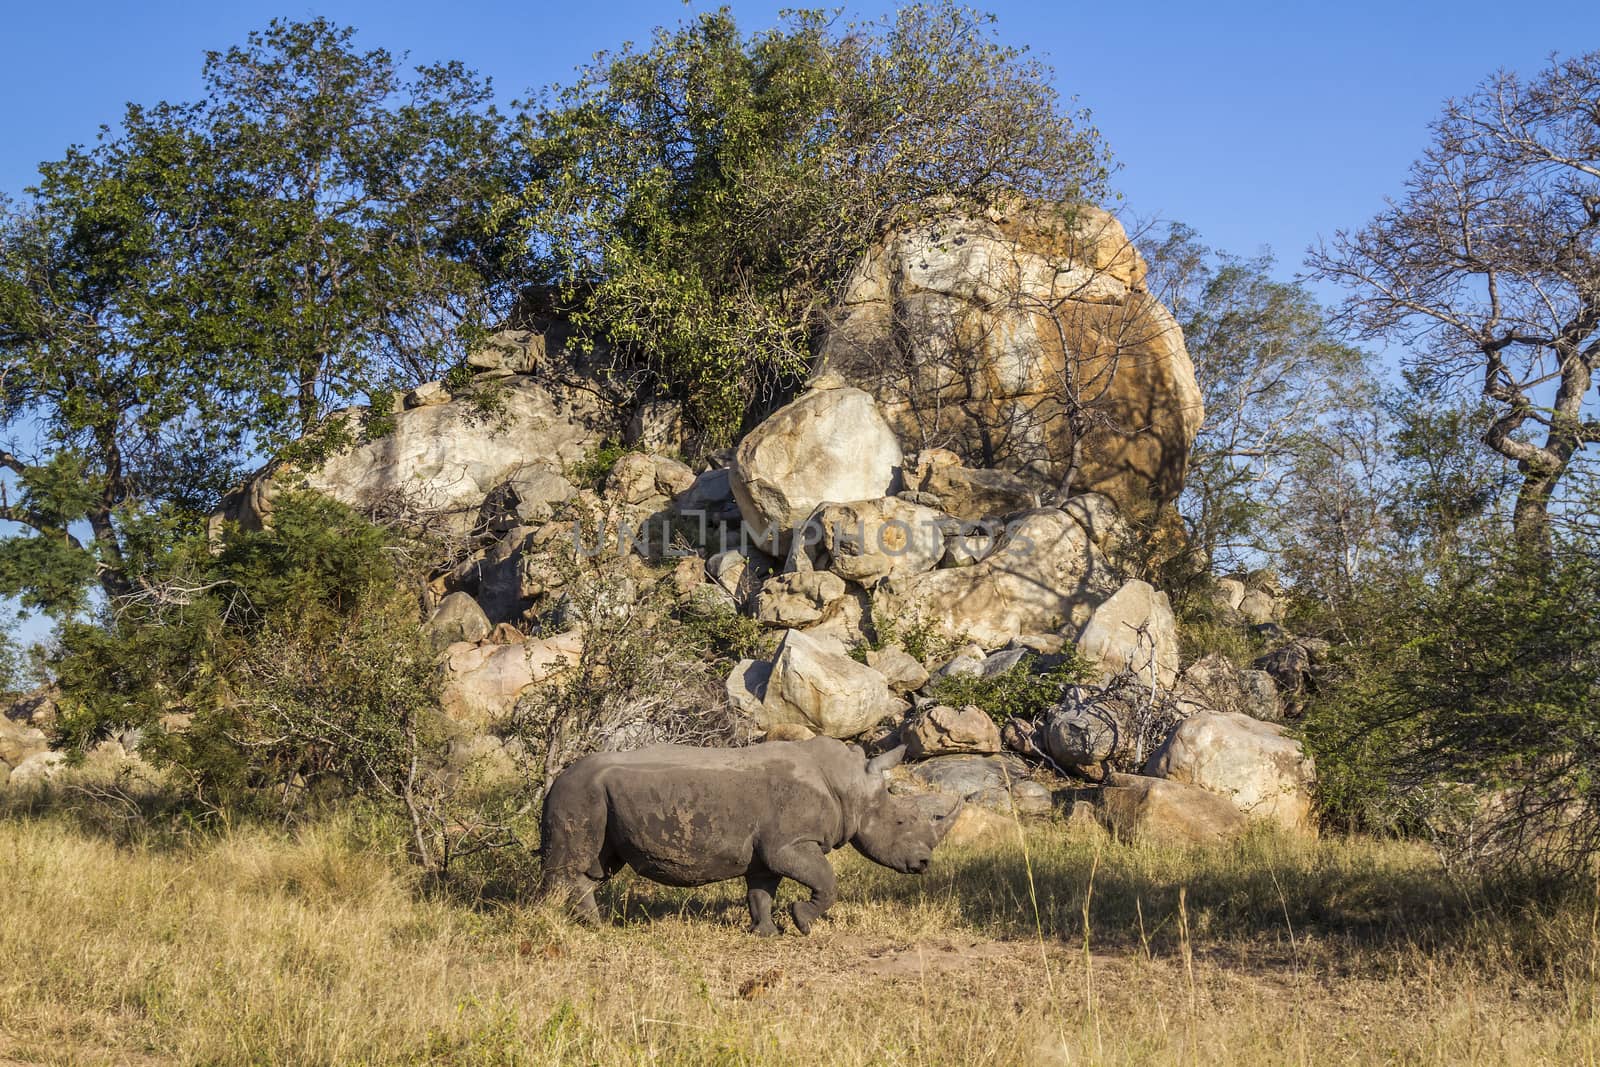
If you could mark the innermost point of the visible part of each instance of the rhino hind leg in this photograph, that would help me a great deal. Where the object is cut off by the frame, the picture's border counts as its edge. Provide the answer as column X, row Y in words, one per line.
column 761, row 888
column 573, row 884
column 806, row 863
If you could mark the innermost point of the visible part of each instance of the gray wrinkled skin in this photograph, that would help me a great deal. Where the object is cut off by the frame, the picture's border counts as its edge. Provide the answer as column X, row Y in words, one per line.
column 690, row 816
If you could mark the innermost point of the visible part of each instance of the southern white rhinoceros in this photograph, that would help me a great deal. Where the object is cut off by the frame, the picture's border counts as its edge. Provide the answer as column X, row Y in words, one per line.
column 689, row 816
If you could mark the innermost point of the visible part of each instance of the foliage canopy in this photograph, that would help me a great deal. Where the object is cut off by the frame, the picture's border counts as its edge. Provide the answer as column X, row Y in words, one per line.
column 694, row 204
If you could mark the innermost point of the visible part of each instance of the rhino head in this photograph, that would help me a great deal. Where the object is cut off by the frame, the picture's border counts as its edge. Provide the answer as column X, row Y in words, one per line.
column 901, row 832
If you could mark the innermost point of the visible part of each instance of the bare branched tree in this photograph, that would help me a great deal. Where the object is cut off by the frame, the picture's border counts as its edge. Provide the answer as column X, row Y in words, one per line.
column 1489, row 267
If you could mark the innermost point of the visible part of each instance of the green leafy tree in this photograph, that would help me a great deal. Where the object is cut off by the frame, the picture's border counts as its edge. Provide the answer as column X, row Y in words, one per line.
column 1288, row 468
column 359, row 211
column 205, row 282
column 694, row 204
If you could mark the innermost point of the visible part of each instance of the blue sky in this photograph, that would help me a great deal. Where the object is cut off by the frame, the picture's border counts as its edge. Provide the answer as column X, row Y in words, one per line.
column 1257, row 123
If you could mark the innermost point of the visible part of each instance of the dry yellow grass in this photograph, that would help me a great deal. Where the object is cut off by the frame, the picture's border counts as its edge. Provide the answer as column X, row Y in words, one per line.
column 262, row 947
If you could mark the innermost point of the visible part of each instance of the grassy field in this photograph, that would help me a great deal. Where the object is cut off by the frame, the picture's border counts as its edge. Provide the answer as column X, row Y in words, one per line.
column 259, row 946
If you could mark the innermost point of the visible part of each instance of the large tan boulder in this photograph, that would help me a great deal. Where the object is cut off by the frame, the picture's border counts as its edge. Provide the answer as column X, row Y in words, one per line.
column 971, row 331
column 830, row 444
column 865, row 541
column 1140, row 808
column 798, row 598
column 442, row 460
column 814, row 683
column 458, row 619
column 482, row 683
column 942, row 730
column 18, row 741
column 1255, row 765
column 1044, row 574
column 1133, row 630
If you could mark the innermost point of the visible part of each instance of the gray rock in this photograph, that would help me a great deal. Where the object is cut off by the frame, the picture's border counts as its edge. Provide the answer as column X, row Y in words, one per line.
column 969, row 493
column 1228, row 593
column 501, row 589
column 869, row 540
column 516, row 351
column 900, row 669
column 536, row 492
column 1080, row 735
column 1003, row 661
column 747, row 686
column 655, row 426
column 458, row 618
column 709, row 498
column 1260, row 607
column 996, row 783
column 1290, row 668
column 1258, row 696
column 1215, row 682
column 428, row 394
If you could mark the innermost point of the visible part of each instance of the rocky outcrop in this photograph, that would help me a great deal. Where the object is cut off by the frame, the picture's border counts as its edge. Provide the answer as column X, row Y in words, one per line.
column 903, row 671
column 799, row 598
column 1263, row 771
column 1216, row 681
column 972, row 494
column 866, row 541
column 998, row 783
column 441, row 460
column 639, row 478
column 458, row 619
column 19, row 742
column 830, row 444
column 1044, row 574
column 973, row 331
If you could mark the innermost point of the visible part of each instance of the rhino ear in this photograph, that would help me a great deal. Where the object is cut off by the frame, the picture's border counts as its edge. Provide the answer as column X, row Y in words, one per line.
column 883, row 761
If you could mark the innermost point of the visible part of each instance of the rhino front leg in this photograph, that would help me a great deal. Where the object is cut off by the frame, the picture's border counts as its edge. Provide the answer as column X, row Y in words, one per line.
column 761, row 888
column 806, row 863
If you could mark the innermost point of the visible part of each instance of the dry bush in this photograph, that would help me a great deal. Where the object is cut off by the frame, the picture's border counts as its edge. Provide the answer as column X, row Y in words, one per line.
column 644, row 677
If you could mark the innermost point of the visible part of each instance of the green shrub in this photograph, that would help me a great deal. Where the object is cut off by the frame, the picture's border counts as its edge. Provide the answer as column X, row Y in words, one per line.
column 1469, row 709
column 596, row 465
column 295, row 658
column 922, row 638
column 1022, row 690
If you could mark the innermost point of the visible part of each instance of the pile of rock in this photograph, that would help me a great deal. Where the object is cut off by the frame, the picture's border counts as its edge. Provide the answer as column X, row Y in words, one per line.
column 925, row 483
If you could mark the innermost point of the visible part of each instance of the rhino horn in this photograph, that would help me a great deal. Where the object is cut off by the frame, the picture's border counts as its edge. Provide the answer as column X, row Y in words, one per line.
column 885, row 760
column 942, row 823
